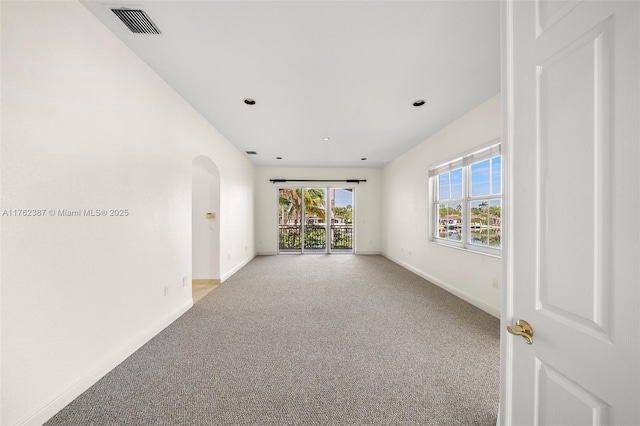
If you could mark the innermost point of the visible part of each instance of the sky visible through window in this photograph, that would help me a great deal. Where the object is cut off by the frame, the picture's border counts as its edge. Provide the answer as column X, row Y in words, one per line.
column 343, row 197
column 450, row 185
column 484, row 174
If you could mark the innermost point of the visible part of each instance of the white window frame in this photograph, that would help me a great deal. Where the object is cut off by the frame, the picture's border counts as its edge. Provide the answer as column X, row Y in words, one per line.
column 464, row 161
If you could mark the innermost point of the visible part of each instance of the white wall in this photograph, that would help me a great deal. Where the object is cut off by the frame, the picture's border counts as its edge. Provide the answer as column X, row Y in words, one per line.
column 405, row 193
column 87, row 125
column 367, row 203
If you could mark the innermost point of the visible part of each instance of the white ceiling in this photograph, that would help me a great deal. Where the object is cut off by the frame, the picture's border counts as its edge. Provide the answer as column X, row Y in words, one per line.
column 347, row 70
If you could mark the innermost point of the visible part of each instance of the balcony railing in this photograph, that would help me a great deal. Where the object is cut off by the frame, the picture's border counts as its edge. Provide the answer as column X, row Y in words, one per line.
column 315, row 237
column 342, row 237
column 289, row 237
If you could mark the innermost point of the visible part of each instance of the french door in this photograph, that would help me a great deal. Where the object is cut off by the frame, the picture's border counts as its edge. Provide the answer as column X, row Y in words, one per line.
column 315, row 220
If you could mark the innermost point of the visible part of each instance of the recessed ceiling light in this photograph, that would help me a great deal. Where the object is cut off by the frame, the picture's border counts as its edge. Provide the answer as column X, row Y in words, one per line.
column 249, row 101
column 327, row 138
column 363, row 158
column 419, row 103
column 251, row 153
column 278, row 158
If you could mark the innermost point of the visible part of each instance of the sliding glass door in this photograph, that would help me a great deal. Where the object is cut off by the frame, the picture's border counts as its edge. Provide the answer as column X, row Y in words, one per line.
column 315, row 220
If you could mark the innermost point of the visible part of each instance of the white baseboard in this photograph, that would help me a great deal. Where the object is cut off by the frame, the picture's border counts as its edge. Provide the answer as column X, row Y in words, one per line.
column 273, row 253
column 448, row 287
column 57, row 403
column 235, row 269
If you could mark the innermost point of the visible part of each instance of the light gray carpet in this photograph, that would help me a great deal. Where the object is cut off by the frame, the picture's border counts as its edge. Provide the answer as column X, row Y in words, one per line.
column 309, row 340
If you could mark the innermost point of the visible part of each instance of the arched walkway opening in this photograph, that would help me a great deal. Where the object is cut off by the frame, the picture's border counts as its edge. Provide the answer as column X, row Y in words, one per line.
column 205, row 226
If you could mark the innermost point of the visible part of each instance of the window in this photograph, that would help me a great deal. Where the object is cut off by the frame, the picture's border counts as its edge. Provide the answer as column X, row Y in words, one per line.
column 467, row 201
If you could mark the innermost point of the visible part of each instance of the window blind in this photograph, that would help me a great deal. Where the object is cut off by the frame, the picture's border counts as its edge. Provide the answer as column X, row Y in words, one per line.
column 455, row 164
column 483, row 154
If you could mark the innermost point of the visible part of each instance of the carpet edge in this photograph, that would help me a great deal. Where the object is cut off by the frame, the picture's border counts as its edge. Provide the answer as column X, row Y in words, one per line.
column 235, row 269
column 57, row 403
column 448, row 287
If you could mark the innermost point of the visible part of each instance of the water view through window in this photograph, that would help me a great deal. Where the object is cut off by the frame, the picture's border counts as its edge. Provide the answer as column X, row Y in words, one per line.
column 468, row 201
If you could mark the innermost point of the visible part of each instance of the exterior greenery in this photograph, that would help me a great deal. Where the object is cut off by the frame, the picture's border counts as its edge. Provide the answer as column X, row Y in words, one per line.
column 290, row 204
column 346, row 213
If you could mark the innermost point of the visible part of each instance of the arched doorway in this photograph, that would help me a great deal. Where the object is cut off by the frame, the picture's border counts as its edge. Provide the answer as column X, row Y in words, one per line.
column 205, row 226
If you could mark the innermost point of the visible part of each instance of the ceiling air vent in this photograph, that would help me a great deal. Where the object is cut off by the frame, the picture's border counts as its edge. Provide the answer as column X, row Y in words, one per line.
column 137, row 21
column 251, row 153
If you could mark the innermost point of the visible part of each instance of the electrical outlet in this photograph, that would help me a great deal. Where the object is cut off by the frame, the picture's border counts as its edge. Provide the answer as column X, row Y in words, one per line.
column 495, row 283
column 185, row 281
column 409, row 252
column 166, row 290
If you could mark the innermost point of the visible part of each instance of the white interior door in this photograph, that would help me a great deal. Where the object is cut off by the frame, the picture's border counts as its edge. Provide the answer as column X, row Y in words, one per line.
column 572, row 114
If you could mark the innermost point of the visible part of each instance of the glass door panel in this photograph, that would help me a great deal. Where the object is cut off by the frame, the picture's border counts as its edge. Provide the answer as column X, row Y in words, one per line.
column 341, row 232
column 315, row 220
column 290, row 220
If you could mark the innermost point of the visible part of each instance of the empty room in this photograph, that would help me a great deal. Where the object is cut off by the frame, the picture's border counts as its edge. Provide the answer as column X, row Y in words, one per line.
column 320, row 212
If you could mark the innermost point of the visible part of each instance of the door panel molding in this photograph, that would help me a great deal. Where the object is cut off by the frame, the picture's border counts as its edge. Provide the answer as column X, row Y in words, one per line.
column 574, row 82
column 580, row 405
column 548, row 13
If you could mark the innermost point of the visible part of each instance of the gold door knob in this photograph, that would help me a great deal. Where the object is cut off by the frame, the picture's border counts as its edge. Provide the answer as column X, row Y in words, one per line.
column 522, row 328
